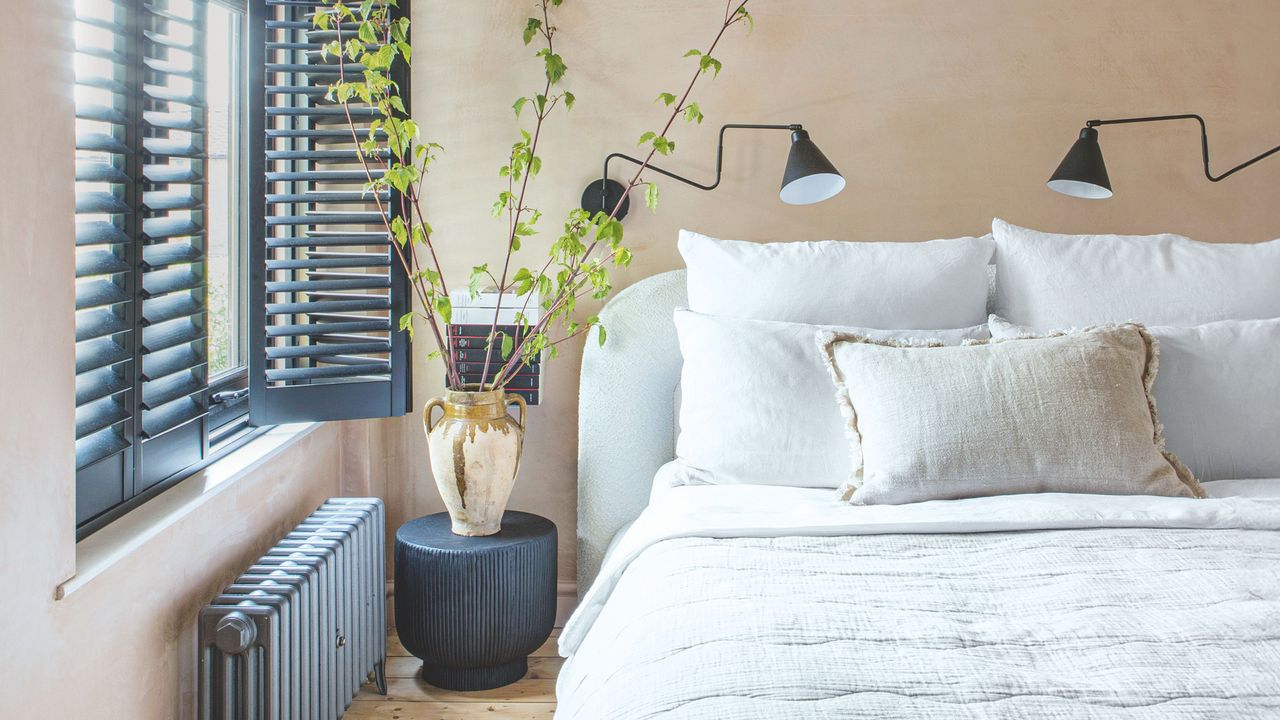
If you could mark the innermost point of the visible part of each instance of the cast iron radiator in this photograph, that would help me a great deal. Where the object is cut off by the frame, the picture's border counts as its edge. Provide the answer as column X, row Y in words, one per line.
column 298, row 633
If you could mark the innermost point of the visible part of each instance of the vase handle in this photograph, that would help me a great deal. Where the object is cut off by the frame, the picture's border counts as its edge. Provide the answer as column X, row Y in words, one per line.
column 432, row 404
column 518, row 400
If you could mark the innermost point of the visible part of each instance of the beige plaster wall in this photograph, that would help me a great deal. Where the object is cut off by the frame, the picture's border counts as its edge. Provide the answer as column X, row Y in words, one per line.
column 940, row 114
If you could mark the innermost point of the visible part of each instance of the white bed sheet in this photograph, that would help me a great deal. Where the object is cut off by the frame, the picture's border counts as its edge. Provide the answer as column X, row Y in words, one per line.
column 767, row 524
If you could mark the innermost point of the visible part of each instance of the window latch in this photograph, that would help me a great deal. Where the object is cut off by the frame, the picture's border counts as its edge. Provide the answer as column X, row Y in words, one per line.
column 228, row 396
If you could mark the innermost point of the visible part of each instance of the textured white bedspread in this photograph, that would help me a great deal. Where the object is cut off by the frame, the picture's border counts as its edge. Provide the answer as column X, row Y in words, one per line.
column 750, row 602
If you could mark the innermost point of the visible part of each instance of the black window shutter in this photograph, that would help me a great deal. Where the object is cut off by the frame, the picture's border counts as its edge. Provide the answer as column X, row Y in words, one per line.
column 140, row 341
column 326, row 288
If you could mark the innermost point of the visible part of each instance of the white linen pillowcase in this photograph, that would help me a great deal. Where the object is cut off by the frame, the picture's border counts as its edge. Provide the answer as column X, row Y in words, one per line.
column 910, row 285
column 1064, row 413
column 1218, row 393
column 756, row 405
column 1047, row 280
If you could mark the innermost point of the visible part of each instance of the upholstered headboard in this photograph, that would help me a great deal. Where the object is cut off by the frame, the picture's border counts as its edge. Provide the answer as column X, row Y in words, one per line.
column 626, row 412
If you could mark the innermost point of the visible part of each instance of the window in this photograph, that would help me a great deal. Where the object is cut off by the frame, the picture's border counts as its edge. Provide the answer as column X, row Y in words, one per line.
column 229, row 269
column 150, row 207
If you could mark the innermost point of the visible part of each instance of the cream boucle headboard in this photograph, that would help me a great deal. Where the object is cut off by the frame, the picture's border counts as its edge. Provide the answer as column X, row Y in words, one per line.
column 626, row 411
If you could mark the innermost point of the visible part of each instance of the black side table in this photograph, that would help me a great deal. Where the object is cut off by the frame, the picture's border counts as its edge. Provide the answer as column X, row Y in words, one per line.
column 473, row 608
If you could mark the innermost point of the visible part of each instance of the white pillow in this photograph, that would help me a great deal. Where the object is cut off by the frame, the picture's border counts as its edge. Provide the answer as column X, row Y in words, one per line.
column 1048, row 281
column 914, row 285
column 1218, row 393
column 756, row 405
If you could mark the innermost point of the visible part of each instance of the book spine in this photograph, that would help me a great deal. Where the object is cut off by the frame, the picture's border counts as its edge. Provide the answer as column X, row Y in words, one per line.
column 477, row 355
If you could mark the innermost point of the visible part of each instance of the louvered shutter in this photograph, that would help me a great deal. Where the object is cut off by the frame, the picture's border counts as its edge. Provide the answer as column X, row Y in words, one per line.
column 105, row 282
column 140, row 342
column 326, row 288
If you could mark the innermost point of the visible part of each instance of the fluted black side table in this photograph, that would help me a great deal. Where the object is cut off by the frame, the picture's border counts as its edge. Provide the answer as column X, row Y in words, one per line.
column 474, row 608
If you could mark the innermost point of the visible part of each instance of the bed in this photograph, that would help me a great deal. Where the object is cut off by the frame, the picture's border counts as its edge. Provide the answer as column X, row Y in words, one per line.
column 780, row 602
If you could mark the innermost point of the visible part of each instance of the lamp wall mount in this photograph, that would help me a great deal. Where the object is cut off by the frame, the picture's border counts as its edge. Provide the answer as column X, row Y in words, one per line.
column 805, row 161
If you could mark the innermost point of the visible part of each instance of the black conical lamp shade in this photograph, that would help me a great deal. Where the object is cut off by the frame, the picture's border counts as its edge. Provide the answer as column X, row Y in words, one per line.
column 810, row 177
column 1082, row 173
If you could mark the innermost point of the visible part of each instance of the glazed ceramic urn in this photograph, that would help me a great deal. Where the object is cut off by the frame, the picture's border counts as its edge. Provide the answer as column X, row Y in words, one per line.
column 475, row 450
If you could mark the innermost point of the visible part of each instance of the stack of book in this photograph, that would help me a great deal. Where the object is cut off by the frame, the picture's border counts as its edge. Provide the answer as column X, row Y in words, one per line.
column 470, row 343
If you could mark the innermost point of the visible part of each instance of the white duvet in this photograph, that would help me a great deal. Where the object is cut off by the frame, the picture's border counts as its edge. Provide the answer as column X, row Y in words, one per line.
column 725, row 602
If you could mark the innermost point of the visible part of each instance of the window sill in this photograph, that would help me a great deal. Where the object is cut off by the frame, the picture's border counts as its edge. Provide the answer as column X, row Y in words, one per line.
column 103, row 549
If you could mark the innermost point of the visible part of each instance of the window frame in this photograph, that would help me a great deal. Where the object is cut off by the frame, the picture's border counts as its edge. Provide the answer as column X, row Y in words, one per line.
column 225, row 424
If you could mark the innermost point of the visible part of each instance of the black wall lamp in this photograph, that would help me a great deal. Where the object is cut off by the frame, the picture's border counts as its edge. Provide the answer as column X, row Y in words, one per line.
column 809, row 176
column 1083, row 173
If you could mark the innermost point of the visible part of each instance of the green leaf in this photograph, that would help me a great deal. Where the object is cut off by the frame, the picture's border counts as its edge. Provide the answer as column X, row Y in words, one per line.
column 600, row 335
column 478, row 274
column 647, row 137
column 399, row 230
column 508, row 344
column 519, row 105
column 665, row 98
column 406, row 324
column 650, row 196
column 569, row 99
column 692, row 113
column 367, row 34
column 742, row 15
column 555, row 67
column 693, row 53
column 444, row 308
column 663, row 145
column 708, row 62
column 530, row 29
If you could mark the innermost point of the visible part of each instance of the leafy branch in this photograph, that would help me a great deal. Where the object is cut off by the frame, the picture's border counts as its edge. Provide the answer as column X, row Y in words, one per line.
column 396, row 160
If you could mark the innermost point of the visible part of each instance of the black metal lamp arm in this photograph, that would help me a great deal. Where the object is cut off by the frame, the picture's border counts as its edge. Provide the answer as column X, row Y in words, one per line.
column 719, row 159
column 1204, row 140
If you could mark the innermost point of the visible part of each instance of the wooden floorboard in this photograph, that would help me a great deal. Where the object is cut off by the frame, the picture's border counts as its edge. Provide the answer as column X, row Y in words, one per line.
column 409, row 698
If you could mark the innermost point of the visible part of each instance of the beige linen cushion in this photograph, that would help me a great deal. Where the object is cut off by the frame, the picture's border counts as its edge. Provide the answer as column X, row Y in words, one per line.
column 1061, row 413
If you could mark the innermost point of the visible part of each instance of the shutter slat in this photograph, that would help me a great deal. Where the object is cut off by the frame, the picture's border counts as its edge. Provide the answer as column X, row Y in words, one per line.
column 99, row 384
column 172, row 120
column 95, row 293
column 167, row 14
column 99, row 415
column 159, row 256
column 166, row 174
column 328, row 196
column 375, row 282
column 321, row 328
column 158, row 422
column 160, row 147
column 176, row 386
column 99, row 203
column 170, row 334
column 327, row 218
column 323, row 240
column 343, row 134
column 99, row 232
column 97, row 323
column 168, row 362
column 327, row 350
column 166, row 41
column 99, row 262
column 170, row 200
column 165, row 67
column 164, row 228
column 99, row 353
column 162, row 282
column 99, row 82
column 348, row 155
column 329, row 306
column 332, row 112
column 98, row 171
column 317, row 373
column 324, row 175
column 100, row 142
column 314, row 262
column 101, row 113
column 170, row 307
column 99, row 446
